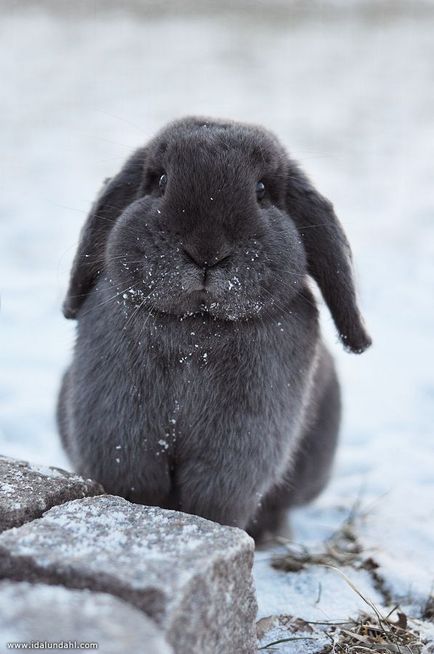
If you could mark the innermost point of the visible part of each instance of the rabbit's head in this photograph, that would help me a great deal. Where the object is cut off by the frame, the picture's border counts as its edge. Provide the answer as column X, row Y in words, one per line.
column 212, row 217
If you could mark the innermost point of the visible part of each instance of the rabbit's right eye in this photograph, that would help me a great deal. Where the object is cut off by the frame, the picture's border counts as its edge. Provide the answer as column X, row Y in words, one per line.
column 260, row 190
column 162, row 183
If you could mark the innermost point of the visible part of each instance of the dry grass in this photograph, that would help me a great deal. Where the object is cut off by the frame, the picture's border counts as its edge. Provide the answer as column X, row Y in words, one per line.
column 375, row 632
column 371, row 631
column 341, row 549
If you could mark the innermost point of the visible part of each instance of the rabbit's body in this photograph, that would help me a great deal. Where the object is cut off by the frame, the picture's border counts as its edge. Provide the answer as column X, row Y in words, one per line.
column 182, row 412
column 200, row 387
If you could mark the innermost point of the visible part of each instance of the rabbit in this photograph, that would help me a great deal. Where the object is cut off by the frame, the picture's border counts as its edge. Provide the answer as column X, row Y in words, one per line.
column 199, row 380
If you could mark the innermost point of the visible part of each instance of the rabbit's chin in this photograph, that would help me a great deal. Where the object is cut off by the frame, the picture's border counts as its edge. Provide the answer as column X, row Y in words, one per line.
column 204, row 304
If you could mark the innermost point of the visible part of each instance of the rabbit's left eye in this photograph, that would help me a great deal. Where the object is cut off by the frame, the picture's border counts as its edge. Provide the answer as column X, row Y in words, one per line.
column 260, row 190
column 162, row 183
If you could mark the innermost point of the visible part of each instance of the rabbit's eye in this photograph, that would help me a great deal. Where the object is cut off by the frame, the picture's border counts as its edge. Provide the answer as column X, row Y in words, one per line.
column 260, row 190
column 162, row 182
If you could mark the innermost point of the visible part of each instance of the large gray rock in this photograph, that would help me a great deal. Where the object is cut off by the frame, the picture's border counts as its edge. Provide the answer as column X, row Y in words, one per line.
column 27, row 490
column 192, row 576
column 52, row 613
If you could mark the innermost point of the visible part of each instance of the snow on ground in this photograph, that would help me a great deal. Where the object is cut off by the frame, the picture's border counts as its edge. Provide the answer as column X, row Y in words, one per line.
column 353, row 98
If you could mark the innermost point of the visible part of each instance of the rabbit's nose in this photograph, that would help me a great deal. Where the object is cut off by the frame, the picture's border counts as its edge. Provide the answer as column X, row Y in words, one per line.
column 206, row 261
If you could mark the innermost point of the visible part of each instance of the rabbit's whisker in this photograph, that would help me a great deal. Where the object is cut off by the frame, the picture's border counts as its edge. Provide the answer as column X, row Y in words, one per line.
column 284, row 284
column 284, row 310
column 139, row 306
column 301, row 227
column 145, row 322
column 124, row 120
column 100, row 304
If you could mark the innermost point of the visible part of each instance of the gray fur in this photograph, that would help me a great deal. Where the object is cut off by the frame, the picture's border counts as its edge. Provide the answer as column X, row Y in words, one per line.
column 199, row 380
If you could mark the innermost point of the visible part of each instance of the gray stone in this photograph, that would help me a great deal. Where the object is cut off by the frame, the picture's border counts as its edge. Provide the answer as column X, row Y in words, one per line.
column 38, row 612
column 27, row 490
column 192, row 576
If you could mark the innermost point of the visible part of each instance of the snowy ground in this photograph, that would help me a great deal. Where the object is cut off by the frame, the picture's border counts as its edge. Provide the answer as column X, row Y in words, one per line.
column 353, row 98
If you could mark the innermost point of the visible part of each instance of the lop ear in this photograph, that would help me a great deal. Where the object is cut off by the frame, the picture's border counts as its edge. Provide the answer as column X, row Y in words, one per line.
column 328, row 257
column 116, row 194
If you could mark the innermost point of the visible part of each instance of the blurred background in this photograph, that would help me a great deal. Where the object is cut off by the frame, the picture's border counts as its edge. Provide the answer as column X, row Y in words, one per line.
column 348, row 87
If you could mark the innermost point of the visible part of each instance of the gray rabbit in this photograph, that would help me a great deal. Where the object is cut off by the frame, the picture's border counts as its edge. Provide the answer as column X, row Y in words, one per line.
column 199, row 380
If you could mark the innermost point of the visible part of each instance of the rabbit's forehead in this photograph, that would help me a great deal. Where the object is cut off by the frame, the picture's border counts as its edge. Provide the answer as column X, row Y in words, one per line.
column 218, row 148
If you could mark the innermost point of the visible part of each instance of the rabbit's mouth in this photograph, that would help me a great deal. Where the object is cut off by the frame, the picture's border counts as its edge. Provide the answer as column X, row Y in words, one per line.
column 206, row 303
column 200, row 301
column 200, row 296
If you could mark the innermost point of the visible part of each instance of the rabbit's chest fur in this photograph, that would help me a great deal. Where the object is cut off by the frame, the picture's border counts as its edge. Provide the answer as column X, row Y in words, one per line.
column 158, row 390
